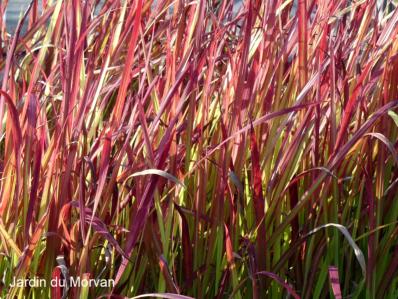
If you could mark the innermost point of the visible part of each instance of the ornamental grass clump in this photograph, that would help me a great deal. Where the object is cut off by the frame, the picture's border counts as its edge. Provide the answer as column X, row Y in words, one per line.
column 204, row 149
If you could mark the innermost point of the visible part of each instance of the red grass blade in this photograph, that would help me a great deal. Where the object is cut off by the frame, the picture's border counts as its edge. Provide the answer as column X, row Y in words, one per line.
column 335, row 282
column 259, row 204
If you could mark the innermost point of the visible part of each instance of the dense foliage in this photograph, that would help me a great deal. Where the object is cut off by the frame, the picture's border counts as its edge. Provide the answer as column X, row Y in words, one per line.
column 209, row 149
